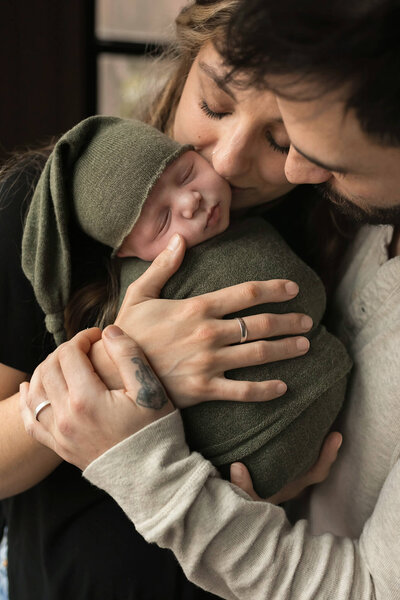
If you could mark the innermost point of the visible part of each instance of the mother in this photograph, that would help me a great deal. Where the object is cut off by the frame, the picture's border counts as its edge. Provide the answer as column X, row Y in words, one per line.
column 66, row 538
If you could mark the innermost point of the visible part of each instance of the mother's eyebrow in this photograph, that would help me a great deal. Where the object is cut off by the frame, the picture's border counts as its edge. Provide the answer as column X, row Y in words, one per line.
column 217, row 78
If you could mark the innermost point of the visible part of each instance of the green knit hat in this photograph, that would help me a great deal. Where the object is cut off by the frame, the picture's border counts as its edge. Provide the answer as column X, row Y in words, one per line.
column 99, row 174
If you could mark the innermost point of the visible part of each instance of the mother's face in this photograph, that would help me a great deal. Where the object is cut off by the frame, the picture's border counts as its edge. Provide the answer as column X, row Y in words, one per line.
column 240, row 131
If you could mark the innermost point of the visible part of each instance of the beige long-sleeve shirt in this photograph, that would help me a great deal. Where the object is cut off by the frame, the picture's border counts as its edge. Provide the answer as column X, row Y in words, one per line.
column 349, row 546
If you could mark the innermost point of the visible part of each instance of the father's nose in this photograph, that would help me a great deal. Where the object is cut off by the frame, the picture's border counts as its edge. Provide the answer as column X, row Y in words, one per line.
column 190, row 203
column 300, row 170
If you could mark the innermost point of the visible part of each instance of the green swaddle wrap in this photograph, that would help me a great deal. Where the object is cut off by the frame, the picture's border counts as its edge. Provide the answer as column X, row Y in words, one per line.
column 279, row 439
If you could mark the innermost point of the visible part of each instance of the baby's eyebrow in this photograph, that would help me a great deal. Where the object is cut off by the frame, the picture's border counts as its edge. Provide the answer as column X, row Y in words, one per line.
column 186, row 164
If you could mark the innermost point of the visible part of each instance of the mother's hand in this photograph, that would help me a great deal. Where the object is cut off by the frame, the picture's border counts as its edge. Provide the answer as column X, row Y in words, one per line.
column 85, row 418
column 189, row 344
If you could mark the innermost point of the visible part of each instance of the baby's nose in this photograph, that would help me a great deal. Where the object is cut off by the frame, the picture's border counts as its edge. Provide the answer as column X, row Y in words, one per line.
column 191, row 204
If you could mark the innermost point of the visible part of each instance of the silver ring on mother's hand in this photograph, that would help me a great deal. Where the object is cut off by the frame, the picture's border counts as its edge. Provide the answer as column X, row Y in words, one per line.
column 243, row 330
column 40, row 407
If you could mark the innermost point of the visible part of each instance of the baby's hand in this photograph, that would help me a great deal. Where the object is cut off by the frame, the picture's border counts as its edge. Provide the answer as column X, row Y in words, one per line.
column 318, row 473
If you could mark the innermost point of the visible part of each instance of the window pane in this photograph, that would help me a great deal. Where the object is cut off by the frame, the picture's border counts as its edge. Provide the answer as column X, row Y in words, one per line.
column 122, row 82
column 136, row 20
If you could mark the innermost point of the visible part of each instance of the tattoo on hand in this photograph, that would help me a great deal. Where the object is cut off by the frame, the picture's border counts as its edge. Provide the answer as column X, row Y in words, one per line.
column 152, row 393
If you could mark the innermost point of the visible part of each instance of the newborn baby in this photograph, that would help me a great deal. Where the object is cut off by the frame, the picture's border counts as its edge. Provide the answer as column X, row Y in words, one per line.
column 189, row 198
column 131, row 187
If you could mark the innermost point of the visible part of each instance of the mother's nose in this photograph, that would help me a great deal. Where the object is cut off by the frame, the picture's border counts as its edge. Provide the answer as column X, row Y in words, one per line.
column 232, row 156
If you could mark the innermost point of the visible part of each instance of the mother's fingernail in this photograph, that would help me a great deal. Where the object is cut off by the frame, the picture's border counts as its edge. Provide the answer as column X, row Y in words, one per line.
column 281, row 388
column 292, row 288
column 302, row 344
column 306, row 322
column 113, row 331
column 174, row 242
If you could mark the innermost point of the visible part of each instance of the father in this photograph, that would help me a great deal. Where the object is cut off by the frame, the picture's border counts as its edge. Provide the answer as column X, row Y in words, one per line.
column 335, row 66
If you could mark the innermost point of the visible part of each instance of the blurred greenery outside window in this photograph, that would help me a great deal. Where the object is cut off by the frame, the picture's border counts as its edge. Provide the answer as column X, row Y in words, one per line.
column 123, row 79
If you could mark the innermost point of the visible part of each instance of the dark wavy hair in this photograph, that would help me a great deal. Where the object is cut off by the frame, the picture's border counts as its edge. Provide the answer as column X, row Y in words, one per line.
column 352, row 45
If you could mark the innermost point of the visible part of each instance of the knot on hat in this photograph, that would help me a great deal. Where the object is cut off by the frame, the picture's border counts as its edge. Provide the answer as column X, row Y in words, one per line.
column 55, row 325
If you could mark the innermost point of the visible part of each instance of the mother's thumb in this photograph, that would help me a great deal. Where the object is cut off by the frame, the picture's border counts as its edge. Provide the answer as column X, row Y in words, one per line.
column 150, row 284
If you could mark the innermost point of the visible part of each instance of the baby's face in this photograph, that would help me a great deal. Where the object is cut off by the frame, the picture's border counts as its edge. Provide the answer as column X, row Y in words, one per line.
column 190, row 198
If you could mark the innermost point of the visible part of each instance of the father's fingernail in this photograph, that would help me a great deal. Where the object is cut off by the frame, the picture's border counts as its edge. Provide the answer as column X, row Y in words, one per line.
column 174, row 242
column 113, row 331
column 236, row 472
column 292, row 288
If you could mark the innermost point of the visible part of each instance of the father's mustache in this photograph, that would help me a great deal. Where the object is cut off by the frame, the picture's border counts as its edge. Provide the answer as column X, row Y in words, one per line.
column 375, row 215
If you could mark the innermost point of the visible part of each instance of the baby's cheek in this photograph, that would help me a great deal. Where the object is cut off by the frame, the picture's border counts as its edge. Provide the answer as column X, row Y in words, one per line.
column 153, row 250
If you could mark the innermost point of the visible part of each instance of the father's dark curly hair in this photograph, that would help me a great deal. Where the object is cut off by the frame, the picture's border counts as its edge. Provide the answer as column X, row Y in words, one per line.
column 353, row 45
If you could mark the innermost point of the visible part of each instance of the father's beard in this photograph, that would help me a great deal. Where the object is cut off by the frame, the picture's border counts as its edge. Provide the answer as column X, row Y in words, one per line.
column 374, row 216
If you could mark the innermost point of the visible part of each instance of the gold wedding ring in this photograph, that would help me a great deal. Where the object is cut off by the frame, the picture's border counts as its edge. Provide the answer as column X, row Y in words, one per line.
column 243, row 330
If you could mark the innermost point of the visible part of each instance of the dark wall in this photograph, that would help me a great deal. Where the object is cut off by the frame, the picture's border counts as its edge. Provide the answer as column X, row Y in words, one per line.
column 46, row 82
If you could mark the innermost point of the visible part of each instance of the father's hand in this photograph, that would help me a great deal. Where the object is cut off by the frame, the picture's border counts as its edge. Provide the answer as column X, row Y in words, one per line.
column 85, row 418
column 240, row 476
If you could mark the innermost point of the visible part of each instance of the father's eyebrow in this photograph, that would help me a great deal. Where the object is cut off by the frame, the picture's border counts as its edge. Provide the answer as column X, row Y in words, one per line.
column 315, row 161
column 217, row 78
